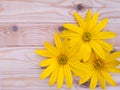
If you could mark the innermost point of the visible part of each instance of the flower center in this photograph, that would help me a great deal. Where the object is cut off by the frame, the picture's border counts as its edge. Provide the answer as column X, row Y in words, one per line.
column 62, row 60
column 87, row 36
column 98, row 64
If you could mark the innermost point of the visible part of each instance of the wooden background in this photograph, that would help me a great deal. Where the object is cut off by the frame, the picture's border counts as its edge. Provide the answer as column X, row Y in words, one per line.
column 26, row 24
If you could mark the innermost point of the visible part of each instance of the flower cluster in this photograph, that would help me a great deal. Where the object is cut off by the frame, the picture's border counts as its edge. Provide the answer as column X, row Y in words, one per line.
column 81, row 50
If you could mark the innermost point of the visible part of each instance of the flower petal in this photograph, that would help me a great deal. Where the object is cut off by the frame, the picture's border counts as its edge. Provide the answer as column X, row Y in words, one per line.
column 85, row 78
column 69, row 34
column 100, row 26
column 102, row 81
column 48, row 71
column 58, row 42
column 73, row 28
column 51, row 48
column 44, row 53
column 104, row 35
column 79, row 65
column 113, row 70
column 108, row 77
column 88, row 17
column 98, row 49
column 105, row 45
column 60, row 77
column 77, row 72
column 75, row 43
column 80, row 20
column 46, row 62
column 54, row 76
column 68, row 75
column 94, row 81
column 113, row 56
column 65, row 47
column 113, row 63
column 93, row 21
column 85, row 51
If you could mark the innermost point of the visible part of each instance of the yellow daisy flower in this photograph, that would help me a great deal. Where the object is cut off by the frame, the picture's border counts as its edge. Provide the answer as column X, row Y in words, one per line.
column 88, row 35
column 100, row 70
column 61, row 62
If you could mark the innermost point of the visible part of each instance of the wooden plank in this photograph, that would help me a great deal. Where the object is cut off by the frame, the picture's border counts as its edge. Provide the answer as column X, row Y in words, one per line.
column 26, row 24
column 56, row 10
column 33, row 34
column 20, row 70
column 29, row 34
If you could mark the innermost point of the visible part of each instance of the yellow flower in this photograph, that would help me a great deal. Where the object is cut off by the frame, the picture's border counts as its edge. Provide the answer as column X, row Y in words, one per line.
column 100, row 70
column 61, row 62
column 88, row 35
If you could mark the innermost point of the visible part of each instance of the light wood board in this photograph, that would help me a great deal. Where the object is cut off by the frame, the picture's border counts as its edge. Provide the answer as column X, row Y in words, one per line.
column 26, row 24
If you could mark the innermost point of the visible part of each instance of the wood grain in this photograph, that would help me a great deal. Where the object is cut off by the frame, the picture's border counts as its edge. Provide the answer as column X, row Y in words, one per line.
column 26, row 24
column 56, row 10
column 20, row 71
column 16, row 34
column 33, row 34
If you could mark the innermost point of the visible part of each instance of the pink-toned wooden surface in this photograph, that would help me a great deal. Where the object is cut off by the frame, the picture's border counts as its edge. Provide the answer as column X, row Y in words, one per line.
column 26, row 24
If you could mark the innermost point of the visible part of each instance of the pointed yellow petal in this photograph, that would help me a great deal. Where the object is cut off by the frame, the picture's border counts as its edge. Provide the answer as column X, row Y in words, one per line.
column 100, row 26
column 113, row 70
column 102, row 81
column 85, row 78
column 112, row 63
column 73, row 27
column 76, row 42
column 70, row 34
column 77, row 57
column 77, row 72
column 68, row 75
column 60, row 77
column 94, row 81
column 108, row 77
column 97, row 48
column 65, row 47
column 51, row 48
column 88, row 17
column 104, row 45
column 113, row 56
column 75, row 45
column 58, row 42
column 82, row 49
column 104, row 35
column 46, row 62
column 48, row 71
column 93, row 21
column 53, row 77
column 44, row 53
column 85, row 51
column 80, row 20
column 79, row 65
